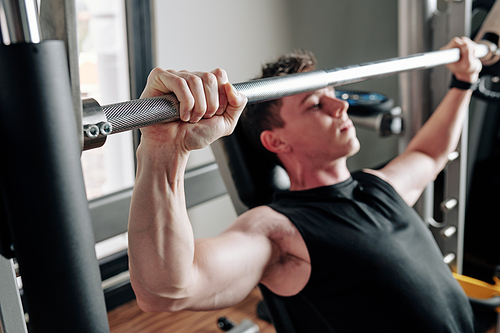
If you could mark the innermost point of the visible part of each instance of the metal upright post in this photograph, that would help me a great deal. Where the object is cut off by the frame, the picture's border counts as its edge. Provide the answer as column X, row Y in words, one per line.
column 423, row 27
column 449, row 232
column 42, row 183
column 58, row 20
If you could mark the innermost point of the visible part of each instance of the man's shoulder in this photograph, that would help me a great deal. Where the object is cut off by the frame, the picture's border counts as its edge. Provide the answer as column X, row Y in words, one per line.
column 264, row 220
column 263, row 212
column 378, row 179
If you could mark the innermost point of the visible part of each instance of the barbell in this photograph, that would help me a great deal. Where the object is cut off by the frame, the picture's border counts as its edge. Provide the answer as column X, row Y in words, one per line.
column 100, row 121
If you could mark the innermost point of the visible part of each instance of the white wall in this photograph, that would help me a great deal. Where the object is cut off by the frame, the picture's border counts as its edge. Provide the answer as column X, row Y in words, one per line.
column 235, row 35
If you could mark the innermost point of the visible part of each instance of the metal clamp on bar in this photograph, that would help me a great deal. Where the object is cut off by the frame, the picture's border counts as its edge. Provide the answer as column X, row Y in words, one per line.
column 98, row 122
column 96, row 127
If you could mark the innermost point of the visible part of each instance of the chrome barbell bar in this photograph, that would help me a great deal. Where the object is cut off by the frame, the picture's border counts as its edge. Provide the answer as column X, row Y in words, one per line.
column 139, row 113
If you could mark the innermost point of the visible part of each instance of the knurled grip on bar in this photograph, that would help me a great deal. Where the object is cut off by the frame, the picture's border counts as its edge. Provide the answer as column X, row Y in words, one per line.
column 138, row 113
column 148, row 111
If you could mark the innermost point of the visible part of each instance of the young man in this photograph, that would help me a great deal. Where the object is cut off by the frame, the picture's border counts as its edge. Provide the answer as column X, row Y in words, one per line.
column 337, row 253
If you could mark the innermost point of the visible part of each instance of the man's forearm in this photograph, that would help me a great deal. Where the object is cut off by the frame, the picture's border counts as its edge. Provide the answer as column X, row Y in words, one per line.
column 441, row 133
column 161, row 242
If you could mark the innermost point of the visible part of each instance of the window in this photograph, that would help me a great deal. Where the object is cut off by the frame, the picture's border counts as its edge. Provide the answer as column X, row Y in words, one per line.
column 104, row 77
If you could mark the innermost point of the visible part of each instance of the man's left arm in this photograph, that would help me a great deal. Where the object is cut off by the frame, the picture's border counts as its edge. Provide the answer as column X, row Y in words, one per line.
column 427, row 153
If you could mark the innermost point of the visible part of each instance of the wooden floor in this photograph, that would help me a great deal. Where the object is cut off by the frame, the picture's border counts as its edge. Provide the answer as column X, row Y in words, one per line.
column 128, row 318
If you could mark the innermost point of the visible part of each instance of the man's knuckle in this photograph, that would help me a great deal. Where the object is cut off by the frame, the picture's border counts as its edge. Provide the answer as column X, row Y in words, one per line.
column 156, row 71
column 209, row 78
column 193, row 79
column 220, row 73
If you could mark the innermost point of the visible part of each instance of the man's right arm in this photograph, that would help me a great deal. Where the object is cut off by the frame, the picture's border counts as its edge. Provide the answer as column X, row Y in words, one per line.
column 169, row 269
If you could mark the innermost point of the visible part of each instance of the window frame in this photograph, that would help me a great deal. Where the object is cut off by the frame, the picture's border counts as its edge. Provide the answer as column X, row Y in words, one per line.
column 110, row 212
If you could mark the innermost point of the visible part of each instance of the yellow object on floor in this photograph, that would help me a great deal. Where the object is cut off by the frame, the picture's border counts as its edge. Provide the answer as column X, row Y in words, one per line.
column 479, row 289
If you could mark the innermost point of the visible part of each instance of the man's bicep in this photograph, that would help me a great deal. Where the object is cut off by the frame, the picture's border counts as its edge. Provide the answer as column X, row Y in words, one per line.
column 228, row 267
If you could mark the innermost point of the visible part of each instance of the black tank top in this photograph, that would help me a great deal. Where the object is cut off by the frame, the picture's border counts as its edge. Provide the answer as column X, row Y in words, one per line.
column 375, row 266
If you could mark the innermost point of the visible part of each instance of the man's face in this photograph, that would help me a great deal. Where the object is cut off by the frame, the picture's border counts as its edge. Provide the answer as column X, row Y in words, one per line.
column 317, row 126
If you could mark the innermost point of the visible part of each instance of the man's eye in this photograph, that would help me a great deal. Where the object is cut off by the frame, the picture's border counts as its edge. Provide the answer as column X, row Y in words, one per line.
column 316, row 106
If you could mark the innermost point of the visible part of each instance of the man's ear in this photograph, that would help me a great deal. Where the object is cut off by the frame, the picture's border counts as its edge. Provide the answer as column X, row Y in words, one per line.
column 273, row 142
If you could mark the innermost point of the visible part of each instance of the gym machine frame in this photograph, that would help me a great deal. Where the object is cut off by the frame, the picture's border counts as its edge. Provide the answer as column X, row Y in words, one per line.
column 420, row 93
column 422, row 27
column 46, row 209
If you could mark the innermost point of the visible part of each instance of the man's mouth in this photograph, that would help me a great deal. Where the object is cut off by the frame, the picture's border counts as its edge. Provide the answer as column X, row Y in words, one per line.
column 346, row 125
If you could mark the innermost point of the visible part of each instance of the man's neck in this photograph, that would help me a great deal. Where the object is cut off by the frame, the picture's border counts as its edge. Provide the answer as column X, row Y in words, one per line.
column 304, row 177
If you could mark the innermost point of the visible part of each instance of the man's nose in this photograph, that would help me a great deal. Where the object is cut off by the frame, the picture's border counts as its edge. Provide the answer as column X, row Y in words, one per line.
column 338, row 106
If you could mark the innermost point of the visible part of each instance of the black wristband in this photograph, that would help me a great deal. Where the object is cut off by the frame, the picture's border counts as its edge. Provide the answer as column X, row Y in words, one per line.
column 456, row 83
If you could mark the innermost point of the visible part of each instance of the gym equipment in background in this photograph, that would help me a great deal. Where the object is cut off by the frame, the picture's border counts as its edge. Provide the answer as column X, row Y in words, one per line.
column 246, row 326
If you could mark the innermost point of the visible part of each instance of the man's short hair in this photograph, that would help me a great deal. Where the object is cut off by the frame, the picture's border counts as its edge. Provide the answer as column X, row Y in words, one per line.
column 259, row 117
